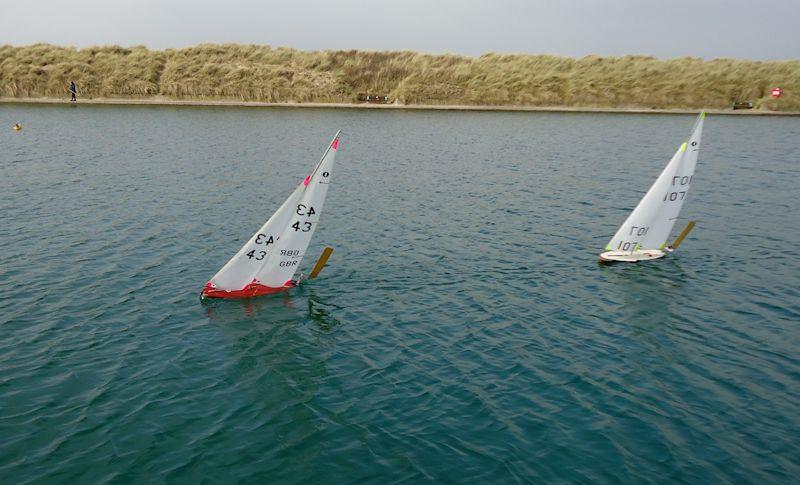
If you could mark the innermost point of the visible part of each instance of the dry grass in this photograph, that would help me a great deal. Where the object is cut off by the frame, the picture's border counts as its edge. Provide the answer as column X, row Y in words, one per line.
column 261, row 73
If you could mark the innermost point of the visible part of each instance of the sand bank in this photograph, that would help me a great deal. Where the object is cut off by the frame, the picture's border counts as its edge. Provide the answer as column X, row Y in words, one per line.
column 157, row 101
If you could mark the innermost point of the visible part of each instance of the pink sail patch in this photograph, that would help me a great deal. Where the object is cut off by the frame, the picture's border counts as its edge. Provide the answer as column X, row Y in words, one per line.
column 335, row 144
column 307, row 180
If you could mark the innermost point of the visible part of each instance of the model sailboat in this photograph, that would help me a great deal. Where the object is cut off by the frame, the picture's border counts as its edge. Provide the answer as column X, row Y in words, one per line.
column 644, row 234
column 268, row 261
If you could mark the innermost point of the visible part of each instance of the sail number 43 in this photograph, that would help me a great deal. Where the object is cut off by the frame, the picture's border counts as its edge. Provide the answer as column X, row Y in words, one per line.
column 302, row 210
column 263, row 239
column 259, row 257
column 304, row 228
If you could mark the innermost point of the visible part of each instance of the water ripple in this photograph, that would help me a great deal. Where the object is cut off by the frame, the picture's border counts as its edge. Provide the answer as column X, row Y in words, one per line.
column 462, row 331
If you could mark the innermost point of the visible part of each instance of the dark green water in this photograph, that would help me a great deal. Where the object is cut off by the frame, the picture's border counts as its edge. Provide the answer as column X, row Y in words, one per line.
column 463, row 331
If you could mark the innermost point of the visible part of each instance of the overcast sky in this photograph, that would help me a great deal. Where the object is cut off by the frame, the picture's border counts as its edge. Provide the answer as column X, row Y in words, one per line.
column 663, row 28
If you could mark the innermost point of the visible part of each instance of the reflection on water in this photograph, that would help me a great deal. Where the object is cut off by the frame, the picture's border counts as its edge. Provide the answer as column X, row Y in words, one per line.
column 281, row 307
column 223, row 310
column 273, row 360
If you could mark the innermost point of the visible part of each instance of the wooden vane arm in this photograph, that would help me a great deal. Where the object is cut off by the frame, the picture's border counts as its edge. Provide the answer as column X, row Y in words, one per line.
column 683, row 234
column 326, row 253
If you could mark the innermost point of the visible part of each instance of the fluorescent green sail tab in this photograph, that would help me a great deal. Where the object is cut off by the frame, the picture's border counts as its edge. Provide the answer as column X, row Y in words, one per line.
column 608, row 248
column 663, row 245
column 703, row 115
column 683, row 147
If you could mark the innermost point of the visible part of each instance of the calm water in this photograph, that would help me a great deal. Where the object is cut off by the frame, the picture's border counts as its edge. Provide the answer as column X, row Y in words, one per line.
column 462, row 331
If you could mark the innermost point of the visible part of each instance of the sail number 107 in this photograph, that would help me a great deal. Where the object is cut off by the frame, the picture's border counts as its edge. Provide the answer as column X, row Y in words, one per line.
column 637, row 231
column 679, row 180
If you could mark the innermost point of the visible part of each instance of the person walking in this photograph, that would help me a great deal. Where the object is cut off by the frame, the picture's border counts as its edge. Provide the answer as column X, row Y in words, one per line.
column 74, row 90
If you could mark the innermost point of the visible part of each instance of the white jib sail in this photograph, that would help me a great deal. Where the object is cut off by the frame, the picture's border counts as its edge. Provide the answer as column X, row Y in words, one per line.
column 256, row 260
column 651, row 222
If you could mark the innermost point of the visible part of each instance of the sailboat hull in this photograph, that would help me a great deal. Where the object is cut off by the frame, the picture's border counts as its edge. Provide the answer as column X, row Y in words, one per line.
column 631, row 257
column 249, row 291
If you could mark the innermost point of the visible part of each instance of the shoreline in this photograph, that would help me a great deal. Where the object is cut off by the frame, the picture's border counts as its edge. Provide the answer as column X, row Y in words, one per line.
column 420, row 107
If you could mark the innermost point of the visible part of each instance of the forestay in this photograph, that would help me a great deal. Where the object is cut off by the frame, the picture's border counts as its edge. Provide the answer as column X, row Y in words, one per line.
column 650, row 223
column 270, row 258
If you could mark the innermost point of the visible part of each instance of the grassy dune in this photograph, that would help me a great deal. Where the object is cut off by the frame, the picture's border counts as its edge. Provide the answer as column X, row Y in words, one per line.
column 262, row 73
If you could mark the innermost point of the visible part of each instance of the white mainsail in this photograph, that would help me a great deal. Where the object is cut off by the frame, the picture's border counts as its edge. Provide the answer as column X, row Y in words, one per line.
column 650, row 223
column 296, row 236
column 272, row 255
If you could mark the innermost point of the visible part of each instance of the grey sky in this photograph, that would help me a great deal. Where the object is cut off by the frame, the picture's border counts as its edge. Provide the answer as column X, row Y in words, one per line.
column 663, row 28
